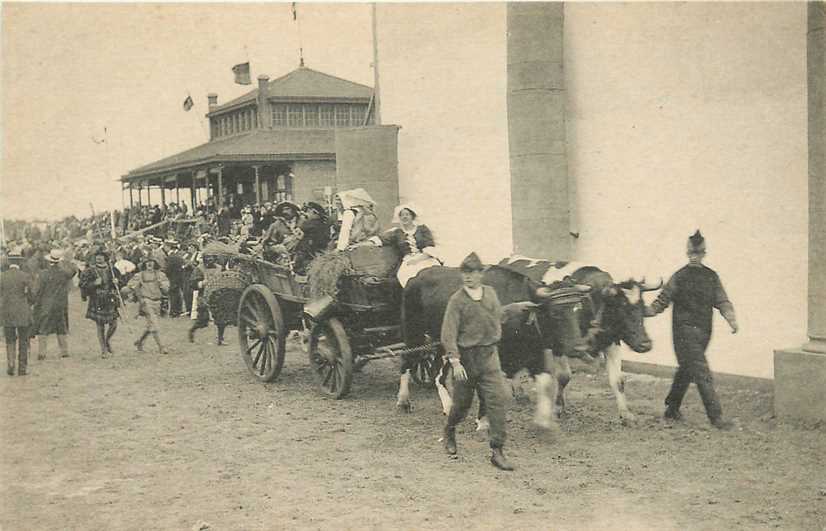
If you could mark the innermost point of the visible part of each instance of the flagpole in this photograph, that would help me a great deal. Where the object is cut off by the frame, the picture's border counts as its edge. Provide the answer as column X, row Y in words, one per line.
column 376, row 93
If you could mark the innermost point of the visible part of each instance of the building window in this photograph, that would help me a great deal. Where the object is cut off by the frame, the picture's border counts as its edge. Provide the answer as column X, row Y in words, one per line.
column 245, row 115
column 236, row 123
column 342, row 115
column 295, row 116
column 255, row 118
column 283, row 188
column 325, row 115
column 279, row 116
column 213, row 126
column 310, row 115
column 357, row 113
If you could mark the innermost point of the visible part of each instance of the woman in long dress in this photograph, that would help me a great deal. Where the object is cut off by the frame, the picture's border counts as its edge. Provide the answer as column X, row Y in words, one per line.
column 413, row 240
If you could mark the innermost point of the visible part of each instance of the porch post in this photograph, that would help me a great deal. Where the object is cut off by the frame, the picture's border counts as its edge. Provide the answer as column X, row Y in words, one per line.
column 257, row 185
column 220, row 187
column 192, row 196
column 177, row 191
column 163, row 191
column 131, row 201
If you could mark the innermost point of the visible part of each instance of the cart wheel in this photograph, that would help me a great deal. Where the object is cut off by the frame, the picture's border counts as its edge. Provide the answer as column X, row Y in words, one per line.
column 422, row 374
column 331, row 358
column 261, row 333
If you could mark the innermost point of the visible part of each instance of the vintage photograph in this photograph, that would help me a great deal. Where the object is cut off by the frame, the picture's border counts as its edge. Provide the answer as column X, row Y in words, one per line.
column 481, row 265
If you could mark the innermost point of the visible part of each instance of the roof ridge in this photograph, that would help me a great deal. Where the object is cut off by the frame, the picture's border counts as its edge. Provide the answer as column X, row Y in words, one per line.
column 325, row 74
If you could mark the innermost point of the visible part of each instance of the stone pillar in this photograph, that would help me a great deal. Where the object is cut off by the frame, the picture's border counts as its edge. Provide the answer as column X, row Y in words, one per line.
column 800, row 374
column 220, row 187
column 541, row 211
column 257, row 170
column 163, row 191
column 177, row 190
column 131, row 201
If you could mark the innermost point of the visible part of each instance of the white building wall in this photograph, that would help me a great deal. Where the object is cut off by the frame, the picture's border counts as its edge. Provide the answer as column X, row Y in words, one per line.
column 680, row 116
column 685, row 116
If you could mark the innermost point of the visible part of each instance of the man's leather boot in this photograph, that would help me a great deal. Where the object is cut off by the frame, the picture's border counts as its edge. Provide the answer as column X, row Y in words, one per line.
column 450, row 441
column 497, row 459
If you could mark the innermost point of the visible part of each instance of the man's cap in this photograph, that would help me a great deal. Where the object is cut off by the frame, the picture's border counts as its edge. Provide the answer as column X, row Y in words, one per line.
column 696, row 243
column 472, row 263
column 315, row 207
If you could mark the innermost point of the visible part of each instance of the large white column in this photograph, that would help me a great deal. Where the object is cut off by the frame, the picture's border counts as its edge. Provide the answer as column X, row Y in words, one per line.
column 536, row 131
column 800, row 374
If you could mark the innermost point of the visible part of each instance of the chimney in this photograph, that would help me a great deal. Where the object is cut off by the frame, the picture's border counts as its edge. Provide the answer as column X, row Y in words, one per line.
column 212, row 98
column 264, row 115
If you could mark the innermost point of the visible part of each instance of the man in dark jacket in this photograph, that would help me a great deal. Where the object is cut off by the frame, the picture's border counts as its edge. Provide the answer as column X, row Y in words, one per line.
column 471, row 331
column 175, row 273
column 15, row 314
column 695, row 291
column 51, row 302
column 314, row 239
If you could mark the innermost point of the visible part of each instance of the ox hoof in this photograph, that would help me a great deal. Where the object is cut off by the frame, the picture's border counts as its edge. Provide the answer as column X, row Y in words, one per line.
column 482, row 424
column 405, row 407
column 546, row 424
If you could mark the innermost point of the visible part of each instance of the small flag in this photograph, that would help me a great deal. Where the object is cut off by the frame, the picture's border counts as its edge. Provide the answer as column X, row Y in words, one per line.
column 188, row 103
column 242, row 74
column 292, row 8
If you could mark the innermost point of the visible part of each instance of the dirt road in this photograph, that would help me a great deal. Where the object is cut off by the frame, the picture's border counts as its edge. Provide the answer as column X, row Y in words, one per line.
column 145, row 441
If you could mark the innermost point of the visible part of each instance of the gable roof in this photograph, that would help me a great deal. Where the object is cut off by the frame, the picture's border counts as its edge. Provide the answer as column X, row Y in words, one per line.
column 303, row 83
column 257, row 145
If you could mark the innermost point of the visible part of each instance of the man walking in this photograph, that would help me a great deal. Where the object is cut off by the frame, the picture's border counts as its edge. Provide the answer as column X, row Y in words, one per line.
column 470, row 332
column 695, row 291
column 15, row 314
column 51, row 302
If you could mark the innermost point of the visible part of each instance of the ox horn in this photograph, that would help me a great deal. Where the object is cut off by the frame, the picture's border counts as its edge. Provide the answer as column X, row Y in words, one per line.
column 582, row 288
column 650, row 287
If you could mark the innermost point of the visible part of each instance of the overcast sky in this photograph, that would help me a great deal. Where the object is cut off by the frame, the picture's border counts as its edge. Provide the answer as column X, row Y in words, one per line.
column 72, row 70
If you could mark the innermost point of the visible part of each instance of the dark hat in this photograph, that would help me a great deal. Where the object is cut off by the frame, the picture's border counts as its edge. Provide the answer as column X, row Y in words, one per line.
column 471, row 263
column 315, row 207
column 696, row 243
column 147, row 259
column 279, row 210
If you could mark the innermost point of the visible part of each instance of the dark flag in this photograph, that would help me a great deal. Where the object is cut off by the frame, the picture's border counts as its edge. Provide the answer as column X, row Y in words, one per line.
column 242, row 74
column 292, row 8
column 188, row 103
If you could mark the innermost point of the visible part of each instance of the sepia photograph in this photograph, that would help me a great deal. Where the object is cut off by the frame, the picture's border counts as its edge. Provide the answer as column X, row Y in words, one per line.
column 413, row 265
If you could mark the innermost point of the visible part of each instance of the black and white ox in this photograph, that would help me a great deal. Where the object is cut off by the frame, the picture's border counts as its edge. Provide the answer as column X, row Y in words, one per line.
column 612, row 314
column 535, row 325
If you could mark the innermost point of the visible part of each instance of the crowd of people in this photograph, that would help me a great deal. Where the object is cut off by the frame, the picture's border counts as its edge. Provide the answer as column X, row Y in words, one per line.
column 166, row 274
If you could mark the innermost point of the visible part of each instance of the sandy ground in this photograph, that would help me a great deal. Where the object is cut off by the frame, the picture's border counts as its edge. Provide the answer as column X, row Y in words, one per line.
column 190, row 439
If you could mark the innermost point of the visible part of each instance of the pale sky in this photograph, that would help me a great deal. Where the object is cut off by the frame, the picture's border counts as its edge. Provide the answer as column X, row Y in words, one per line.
column 71, row 70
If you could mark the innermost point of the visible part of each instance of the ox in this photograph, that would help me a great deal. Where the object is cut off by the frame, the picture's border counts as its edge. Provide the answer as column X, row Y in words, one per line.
column 533, row 326
column 612, row 313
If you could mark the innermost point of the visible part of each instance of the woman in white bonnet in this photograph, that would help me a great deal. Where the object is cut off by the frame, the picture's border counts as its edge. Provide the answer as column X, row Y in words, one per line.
column 414, row 241
column 358, row 221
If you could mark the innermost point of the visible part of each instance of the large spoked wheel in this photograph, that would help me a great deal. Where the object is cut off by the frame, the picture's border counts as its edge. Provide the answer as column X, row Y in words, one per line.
column 424, row 372
column 261, row 333
column 331, row 357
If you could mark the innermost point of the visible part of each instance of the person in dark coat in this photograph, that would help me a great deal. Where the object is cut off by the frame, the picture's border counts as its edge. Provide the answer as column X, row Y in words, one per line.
column 315, row 236
column 175, row 273
column 695, row 291
column 51, row 303
column 99, row 283
column 471, row 330
column 15, row 314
